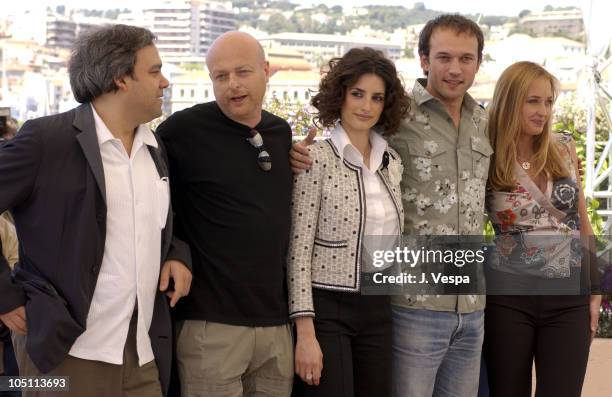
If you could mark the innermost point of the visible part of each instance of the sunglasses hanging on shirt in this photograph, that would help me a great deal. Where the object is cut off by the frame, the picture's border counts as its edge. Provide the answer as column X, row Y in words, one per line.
column 263, row 157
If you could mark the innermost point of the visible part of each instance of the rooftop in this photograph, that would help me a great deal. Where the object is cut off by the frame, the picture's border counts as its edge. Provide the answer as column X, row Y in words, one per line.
column 329, row 38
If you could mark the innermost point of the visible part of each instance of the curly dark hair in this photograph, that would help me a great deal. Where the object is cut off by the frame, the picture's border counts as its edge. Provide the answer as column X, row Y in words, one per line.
column 344, row 73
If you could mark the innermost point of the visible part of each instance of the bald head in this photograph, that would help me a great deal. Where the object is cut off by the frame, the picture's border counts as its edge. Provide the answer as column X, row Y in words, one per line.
column 239, row 72
column 232, row 43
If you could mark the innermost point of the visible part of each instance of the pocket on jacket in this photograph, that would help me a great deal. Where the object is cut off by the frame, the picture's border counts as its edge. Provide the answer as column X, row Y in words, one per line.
column 51, row 328
column 334, row 266
column 331, row 243
column 426, row 162
column 481, row 156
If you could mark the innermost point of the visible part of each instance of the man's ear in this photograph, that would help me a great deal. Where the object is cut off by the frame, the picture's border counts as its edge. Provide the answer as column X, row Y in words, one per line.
column 424, row 63
column 121, row 83
column 267, row 70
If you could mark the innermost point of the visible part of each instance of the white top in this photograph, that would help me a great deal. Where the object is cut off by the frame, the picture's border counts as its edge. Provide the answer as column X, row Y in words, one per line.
column 381, row 214
column 137, row 203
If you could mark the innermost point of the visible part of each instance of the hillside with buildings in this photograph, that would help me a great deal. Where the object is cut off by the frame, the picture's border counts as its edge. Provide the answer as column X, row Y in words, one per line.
column 299, row 41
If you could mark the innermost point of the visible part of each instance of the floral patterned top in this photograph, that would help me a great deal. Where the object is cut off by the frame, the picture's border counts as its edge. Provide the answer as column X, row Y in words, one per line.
column 444, row 180
column 537, row 233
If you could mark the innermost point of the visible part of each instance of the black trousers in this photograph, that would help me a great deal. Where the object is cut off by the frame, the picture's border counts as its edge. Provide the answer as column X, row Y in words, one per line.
column 553, row 330
column 354, row 332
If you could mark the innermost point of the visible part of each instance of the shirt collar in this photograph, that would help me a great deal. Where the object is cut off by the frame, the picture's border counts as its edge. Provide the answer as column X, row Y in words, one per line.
column 421, row 95
column 143, row 133
column 346, row 149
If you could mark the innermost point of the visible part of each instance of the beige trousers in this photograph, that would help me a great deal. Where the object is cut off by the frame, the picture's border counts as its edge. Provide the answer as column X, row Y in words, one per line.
column 220, row 360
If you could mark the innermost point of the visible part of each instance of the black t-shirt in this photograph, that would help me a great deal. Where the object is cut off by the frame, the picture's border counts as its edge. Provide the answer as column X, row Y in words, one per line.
column 234, row 215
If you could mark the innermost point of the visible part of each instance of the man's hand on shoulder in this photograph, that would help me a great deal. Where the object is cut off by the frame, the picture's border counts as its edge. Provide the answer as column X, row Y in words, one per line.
column 182, row 280
column 300, row 155
column 15, row 320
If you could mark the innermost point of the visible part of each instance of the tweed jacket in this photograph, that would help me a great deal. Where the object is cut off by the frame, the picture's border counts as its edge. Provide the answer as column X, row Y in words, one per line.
column 328, row 222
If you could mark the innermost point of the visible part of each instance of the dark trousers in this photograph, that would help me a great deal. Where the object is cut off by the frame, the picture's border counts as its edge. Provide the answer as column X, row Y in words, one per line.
column 483, row 382
column 354, row 332
column 552, row 330
column 89, row 378
column 10, row 367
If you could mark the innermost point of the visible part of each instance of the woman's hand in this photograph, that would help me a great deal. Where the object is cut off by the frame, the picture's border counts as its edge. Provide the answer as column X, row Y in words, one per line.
column 594, row 305
column 308, row 354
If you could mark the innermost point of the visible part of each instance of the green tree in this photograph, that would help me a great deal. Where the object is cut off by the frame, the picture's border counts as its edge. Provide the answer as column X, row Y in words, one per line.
column 278, row 23
column 282, row 5
column 571, row 117
column 493, row 20
column 409, row 52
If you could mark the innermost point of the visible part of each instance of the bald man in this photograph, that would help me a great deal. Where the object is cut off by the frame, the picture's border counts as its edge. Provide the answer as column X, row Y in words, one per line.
column 231, row 190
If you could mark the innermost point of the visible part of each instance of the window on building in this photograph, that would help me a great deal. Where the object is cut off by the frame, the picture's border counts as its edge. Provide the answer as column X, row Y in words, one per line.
column 192, row 93
column 205, row 93
column 295, row 95
column 182, row 92
column 306, row 94
column 285, row 95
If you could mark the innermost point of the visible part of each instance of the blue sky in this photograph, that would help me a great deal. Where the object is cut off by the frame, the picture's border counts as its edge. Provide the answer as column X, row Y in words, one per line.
column 489, row 7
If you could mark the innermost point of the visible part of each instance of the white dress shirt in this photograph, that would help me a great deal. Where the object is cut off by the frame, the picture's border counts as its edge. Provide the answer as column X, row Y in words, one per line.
column 137, row 203
column 381, row 215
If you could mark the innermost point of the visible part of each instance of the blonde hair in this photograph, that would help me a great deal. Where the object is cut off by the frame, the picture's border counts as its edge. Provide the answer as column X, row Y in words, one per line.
column 505, row 126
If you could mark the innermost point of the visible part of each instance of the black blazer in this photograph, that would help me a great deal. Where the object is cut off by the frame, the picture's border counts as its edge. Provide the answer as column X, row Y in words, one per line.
column 52, row 179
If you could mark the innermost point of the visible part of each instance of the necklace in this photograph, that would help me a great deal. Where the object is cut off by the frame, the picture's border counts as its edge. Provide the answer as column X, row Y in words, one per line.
column 525, row 164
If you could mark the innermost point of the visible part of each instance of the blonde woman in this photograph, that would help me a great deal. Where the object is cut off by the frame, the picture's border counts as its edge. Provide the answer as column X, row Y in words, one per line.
column 538, row 212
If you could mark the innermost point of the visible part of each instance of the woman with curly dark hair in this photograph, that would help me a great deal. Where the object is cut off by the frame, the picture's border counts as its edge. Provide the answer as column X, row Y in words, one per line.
column 345, row 349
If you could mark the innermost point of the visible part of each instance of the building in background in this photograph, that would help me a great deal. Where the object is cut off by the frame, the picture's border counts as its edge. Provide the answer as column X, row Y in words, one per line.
column 282, row 58
column 187, row 28
column 553, row 23
column 562, row 57
column 293, row 86
column 189, row 88
column 63, row 30
column 194, row 86
column 318, row 49
column 35, row 48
